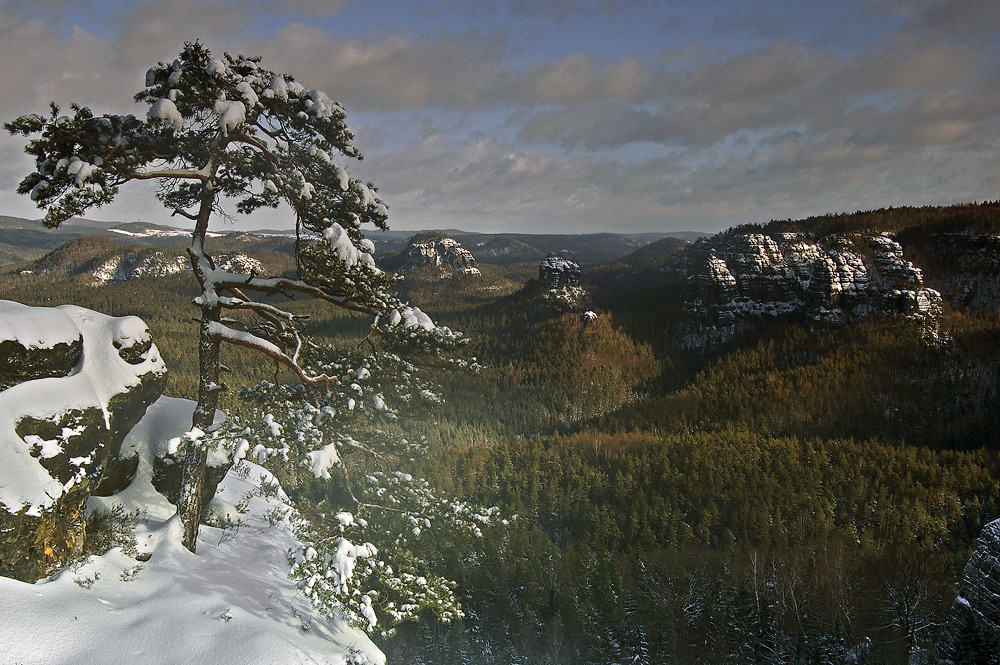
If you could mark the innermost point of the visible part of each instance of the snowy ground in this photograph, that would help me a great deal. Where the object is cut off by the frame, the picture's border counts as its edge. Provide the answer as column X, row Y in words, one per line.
column 232, row 602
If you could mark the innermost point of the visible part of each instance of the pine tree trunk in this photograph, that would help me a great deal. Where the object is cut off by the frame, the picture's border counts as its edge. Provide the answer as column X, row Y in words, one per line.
column 189, row 505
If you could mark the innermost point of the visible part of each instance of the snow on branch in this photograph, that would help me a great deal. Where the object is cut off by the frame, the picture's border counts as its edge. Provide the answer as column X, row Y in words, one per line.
column 204, row 174
column 246, row 339
column 272, row 313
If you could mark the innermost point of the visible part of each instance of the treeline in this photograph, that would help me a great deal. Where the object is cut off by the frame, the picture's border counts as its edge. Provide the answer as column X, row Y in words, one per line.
column 544, row 370
column 982, row 218
column 881, row 380
column 711, row 548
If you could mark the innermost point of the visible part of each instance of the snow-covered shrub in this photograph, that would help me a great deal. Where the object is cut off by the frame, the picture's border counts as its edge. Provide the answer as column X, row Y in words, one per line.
column 111, row 528
column 361, row 559
column 377, row 587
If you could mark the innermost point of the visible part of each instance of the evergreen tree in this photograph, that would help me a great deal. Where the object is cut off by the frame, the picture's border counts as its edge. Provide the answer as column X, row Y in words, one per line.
column 227, row 132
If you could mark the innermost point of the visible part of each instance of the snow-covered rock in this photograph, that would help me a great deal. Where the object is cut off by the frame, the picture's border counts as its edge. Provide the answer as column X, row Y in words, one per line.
column 559, row 280
column 130, row 265
column 556, row 271
column 232, row 602
column 739, row 277
column 32, row 351
column 238, row 263
column 61, row 433
column 99, row 260
column 435, row 253
column 972, row 632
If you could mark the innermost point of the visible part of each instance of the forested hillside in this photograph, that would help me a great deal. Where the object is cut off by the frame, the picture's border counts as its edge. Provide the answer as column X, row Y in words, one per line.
column 806, row 491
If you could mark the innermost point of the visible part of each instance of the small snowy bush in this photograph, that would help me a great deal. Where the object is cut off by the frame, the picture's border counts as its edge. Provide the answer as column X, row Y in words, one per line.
column 111, row 528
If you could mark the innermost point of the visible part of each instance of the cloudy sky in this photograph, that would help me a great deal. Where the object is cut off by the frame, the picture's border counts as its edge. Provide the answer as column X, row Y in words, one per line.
column 572, row 115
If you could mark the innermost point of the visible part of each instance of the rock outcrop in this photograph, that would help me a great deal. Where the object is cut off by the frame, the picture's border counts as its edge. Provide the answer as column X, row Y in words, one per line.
column 737, row 278
column 972, row 632
column 31, row 351
column 559, row 281
column 437, row 255
column 558, row 272
column 84, row 380
column 99, row 260
column 130, row 265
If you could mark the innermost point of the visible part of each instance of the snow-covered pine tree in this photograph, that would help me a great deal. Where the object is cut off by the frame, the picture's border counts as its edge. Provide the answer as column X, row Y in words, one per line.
column 224, row 134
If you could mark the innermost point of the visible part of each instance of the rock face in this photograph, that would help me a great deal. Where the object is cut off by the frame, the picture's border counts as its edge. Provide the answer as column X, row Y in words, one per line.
column 738, row 278
column 130, row 265
column 433, row 253
column 557, row 272
column 127, row 266
column 86, row 380
column 971, row 634
column 559, row 280
column 238, row 263
column 100, row 261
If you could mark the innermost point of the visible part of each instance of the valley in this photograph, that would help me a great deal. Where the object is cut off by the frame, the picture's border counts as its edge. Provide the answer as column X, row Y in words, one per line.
column 743, row 448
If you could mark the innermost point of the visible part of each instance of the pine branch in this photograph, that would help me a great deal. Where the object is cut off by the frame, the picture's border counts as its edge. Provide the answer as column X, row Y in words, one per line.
column 222, row 280
column 248, row 340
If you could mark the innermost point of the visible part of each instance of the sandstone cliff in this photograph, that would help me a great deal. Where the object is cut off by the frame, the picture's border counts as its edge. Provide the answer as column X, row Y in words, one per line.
column 972, row 632
column 435, row 255
column 559, row 281
column 738, row 278
column 76, row 382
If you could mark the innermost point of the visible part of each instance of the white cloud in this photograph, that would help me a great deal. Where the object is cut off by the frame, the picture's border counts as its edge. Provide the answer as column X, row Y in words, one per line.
column 467, row 126
column 310, row 7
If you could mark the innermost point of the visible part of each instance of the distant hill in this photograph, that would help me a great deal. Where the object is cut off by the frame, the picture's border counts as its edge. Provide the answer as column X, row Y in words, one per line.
column 23, row 240
column 654, row 255
column 509, row 248
column 588, row 248
column 503, row 249
column 99, row 260
column 148, row 231
column 7, row 222
column 72, row 257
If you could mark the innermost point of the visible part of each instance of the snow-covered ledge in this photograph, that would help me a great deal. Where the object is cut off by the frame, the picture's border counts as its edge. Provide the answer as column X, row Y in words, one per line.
column 107, row 369
column 154, row 602
column 230, row 603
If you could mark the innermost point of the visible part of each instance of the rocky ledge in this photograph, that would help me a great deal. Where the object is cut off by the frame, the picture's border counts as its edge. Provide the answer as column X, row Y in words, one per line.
column 559, row 280
column 437, row 255
column 739, row 277
column 76, row 382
